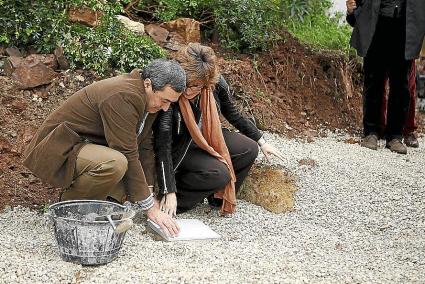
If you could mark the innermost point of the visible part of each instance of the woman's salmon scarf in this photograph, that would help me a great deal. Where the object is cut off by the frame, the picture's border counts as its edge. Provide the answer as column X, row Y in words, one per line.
column 211, row 140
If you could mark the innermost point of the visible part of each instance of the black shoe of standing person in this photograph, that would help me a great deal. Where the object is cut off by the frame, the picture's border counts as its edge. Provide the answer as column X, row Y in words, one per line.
column 411, row 140
column 370, row 141
column 395, row 145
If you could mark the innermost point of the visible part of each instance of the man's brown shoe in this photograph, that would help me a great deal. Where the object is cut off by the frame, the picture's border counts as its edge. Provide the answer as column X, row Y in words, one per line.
column 411, row 141
column 395, row 145
column 370, row 141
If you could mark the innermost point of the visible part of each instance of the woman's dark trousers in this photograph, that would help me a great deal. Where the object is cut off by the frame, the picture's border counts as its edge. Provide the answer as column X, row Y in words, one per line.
column 201, row 175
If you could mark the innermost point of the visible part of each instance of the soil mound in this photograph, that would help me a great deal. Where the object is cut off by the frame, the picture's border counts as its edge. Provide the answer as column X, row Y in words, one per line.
column 295, row 91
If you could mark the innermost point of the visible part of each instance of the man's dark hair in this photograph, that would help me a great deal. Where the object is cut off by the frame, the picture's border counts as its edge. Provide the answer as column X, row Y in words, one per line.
column 164, row 72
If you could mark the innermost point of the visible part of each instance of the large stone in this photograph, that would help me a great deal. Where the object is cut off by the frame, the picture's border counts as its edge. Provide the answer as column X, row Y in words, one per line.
column 269, row 187
column 31, row 72
column 184, row 30
column 84, row 16
column 133, row 26
column 61, row 59
column 157, row 33
column 13, row 51
column 13, row 62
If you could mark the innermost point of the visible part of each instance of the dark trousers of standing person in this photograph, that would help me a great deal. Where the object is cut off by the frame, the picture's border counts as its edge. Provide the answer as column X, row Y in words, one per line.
column 386, row 57
column 201, row 175
column 410, row 125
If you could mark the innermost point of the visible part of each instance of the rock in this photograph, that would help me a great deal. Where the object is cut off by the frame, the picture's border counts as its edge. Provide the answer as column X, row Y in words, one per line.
column 269, row 187
column 307, row 162
column 23, row 139
column 80, row 78
column 31, row 71
column 2, row 50
column 48, row 59
column 28, row 133
column 44, row 94
column 61, row 59
column 157, row 33
column 10, row 64
column 84, row 16
column 5, row 146
column 13, row 51
column 18, row 105
column 352, row 140
column 133, row 26
column 174, row 46
column 184, row 30
column 13, row 62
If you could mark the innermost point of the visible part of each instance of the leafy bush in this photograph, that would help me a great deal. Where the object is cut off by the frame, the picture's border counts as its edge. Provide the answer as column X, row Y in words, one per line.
column 44, row 25
column 167, row 10
column 315, row 27
column 247, row 24
column 255, row 24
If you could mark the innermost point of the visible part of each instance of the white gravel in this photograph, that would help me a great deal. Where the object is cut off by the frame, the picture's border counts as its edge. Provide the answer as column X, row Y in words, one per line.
column 359, row 218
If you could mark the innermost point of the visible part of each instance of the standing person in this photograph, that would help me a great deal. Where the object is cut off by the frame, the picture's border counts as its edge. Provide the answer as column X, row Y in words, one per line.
column 389, row 35
column 98, row 143
column 197, row 158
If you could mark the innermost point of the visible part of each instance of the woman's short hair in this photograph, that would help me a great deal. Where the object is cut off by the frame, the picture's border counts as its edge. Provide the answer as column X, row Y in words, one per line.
column 163, row 72
column 200, row 64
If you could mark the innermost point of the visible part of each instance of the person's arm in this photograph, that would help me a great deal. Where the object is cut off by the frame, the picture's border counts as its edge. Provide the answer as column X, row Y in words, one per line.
column 164, row 162
column 353, row 10
column 232, row 114
column 243, row 124
column 120, row 116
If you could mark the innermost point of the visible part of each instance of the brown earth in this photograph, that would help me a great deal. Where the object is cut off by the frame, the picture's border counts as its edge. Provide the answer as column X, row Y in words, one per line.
column 290, row 90
column 295, row 91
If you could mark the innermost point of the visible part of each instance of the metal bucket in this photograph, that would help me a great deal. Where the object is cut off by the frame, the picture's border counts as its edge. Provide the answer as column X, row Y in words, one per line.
column 83, row 240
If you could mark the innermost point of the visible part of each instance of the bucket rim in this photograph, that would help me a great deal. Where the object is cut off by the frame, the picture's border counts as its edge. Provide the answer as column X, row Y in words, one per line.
column 54, row 205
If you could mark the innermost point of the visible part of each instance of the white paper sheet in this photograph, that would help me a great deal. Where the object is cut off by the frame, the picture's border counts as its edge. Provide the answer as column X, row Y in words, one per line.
column 190, row 229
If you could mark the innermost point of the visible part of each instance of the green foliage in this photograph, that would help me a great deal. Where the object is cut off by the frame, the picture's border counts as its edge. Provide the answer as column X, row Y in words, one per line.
column 251, row 25
column 44, row 25
column 167, row 10
column 243, row 25
column 109, row 45
column 247, row 24
column 322, row 31
column 313, row 25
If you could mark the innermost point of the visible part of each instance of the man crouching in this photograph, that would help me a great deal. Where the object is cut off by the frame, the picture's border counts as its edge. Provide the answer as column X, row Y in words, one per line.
column 98, row 144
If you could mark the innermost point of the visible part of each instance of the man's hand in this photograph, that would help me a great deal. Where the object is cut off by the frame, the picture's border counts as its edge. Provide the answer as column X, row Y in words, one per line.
column 268, row 150
column 167, row 224
column 168, row 204
column 351, row 5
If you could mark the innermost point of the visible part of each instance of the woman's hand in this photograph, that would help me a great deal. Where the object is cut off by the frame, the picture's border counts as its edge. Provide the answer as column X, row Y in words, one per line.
column 269, row 149
column 168, row 225
column 168, row 204
column 351, row 5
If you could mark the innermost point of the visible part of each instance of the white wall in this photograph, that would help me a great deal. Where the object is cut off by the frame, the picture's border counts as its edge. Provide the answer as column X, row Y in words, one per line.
column 339, row 6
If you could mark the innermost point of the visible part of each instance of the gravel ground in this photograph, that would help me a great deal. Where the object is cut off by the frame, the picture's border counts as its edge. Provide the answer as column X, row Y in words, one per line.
column 359, row 218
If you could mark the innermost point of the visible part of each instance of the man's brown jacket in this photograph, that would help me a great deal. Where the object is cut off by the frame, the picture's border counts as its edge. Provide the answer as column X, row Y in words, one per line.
column 108, row 112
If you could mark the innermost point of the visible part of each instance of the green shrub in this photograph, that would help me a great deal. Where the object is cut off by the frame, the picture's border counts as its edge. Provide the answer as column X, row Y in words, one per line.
column 316, row 27
column 248, row 24
column 167, row 10
column 44, row 25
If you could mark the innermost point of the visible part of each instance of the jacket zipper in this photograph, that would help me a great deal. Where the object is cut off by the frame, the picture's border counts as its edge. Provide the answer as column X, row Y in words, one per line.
column 163, row 177
column 142, row 124
column 187, row 148
column 178, row 124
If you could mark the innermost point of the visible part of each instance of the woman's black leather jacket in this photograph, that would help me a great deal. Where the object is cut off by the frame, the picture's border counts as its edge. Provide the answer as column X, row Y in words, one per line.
column 172, row 138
